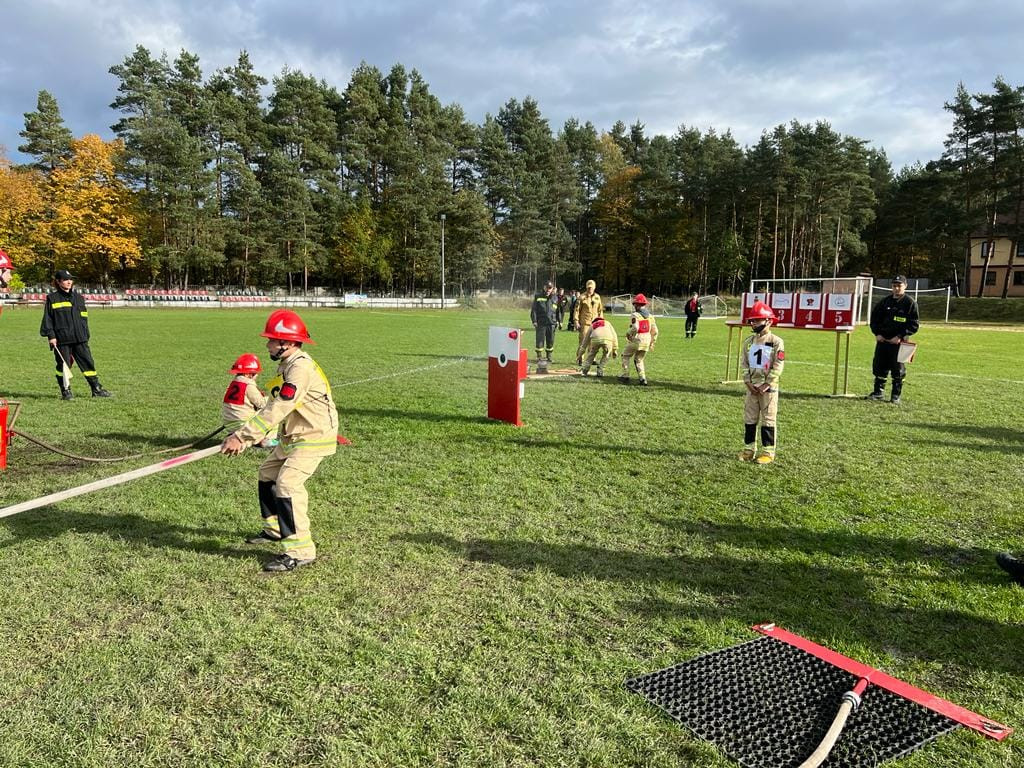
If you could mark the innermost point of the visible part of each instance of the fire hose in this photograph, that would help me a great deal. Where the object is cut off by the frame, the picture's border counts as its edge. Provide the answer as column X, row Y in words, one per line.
column 124, row 477
column 58, row 451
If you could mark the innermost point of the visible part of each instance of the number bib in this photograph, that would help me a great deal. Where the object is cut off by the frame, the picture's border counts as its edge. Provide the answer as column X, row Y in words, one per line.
column 760, row 356
column 235, row 394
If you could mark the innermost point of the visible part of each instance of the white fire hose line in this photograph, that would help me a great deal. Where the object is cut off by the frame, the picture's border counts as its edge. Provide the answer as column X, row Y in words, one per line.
column 187, row 458
column 916, row 373
column 408, row 372
column 124, row 477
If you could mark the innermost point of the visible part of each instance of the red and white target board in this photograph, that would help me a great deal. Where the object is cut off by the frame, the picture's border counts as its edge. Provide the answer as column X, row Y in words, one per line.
column 809, row 307
column 507, row 367
column 839, row 312
column 803, row 310
column 784, row 307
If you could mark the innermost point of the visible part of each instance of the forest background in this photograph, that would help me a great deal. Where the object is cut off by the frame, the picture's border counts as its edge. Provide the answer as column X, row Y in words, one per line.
column 235, row 180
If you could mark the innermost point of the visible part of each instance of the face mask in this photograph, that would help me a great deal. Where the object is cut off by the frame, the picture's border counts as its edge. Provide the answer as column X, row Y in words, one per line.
column 758, row 328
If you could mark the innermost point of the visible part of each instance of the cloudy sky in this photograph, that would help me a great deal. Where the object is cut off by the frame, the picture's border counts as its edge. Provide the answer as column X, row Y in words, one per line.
column 878, row 70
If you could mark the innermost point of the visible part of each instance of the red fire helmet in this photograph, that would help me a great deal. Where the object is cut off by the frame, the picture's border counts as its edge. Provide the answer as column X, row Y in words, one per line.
column 247, row 363
column 285, row 325
column 5, row 261
column 760, row 311
column 640, row 300
column 598, row 322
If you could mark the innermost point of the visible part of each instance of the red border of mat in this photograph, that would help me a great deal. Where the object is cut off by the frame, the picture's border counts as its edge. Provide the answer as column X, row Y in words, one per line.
column 965, row 717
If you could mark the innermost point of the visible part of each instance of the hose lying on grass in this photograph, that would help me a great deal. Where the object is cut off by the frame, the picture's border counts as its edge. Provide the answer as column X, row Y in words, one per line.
column 94, row 460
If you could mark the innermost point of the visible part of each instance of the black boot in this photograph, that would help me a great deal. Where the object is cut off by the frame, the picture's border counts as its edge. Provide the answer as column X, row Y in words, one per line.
column 1012, row 565
column 878, row 393
column 897, row 390
column 97, row 388
column 65, row 392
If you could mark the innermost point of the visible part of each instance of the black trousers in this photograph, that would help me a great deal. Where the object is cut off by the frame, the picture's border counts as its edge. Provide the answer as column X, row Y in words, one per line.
column 545, row 340
column 78, row 352
column 691, row 326
column 885, row 362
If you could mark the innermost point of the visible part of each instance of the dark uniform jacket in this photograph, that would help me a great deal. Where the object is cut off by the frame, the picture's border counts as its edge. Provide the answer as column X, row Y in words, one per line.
column 895, row 317
column 544, row 309
column 692, row 309
column 65, row 318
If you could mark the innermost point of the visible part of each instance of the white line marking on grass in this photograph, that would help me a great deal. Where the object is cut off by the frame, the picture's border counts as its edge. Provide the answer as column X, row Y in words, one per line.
column 397, row 374
column 790, row 361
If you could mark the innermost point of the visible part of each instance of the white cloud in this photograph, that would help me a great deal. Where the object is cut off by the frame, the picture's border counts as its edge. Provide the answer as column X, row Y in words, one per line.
column 880, row 71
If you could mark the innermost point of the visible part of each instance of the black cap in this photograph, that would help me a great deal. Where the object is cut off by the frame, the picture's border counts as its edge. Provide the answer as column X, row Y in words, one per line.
column 900, row 279
column 63, row 274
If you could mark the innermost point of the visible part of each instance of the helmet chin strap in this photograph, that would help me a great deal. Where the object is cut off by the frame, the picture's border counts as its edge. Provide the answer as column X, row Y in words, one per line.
column 277, row 353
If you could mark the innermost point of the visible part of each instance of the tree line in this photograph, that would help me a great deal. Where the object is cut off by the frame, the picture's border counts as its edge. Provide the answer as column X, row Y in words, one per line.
column 233, row 180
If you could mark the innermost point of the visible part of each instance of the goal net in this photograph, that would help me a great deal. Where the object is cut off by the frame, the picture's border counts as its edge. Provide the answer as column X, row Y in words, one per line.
column 712, row 307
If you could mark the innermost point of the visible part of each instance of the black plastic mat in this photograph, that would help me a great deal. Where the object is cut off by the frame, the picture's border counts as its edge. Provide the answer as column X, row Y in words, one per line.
column 767, row 704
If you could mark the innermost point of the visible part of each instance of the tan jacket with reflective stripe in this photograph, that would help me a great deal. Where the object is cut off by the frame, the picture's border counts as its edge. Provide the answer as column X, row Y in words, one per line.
column 770, row 368
column 303, row 408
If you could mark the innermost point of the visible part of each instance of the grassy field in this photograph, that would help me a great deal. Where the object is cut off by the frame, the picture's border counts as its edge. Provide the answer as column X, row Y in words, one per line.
column 483, row 591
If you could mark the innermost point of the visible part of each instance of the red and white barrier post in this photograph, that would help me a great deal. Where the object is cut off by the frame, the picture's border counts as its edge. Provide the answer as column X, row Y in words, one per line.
column 507, row 368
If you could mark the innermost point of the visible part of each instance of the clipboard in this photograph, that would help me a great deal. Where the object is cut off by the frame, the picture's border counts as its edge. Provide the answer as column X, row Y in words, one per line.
column 906, row 352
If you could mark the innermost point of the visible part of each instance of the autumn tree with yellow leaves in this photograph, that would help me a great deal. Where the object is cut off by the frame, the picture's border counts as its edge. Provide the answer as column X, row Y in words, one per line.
column 94, row 225
column 22, row 208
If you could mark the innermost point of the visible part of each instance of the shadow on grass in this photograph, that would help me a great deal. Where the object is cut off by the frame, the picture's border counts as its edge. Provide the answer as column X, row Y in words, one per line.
column 723, row 390
column 834, row 542
column 568, row 443
column 996, row 434
column 820, row 600
column 122, row 527
column 24, row 396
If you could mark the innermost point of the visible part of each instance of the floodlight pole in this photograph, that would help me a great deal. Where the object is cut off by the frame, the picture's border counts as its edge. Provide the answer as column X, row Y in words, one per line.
column 443, row 217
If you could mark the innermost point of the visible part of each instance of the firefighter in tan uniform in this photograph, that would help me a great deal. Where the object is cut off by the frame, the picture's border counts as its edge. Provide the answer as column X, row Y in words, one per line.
column 600, row 338
column 242, row 398
column 302, row 410
column 640, row 339
column 588, row 306
column 764, row 355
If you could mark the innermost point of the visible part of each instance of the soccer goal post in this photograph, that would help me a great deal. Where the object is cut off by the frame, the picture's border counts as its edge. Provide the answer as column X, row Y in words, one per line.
column 712, row 307
column 916, row 293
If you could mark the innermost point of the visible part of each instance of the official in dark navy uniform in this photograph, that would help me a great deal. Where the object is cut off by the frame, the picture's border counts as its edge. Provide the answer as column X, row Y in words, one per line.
column 66, row 326
column 544, row 316
column 893, row 320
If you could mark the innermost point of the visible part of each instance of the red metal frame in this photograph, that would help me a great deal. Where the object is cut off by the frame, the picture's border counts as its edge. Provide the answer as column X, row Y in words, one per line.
column 965, row 717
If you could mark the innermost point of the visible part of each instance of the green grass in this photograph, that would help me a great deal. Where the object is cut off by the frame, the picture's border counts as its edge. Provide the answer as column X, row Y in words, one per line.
column 483, row 590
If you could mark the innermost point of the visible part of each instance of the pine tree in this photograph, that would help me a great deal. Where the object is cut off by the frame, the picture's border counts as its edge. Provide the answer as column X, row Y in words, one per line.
column 46, row 137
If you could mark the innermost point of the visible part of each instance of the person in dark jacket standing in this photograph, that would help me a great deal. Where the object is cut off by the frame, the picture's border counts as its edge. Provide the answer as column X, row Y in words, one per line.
column 66, row 326
column 693, row 311
column 893, row 320
column 543, row 315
